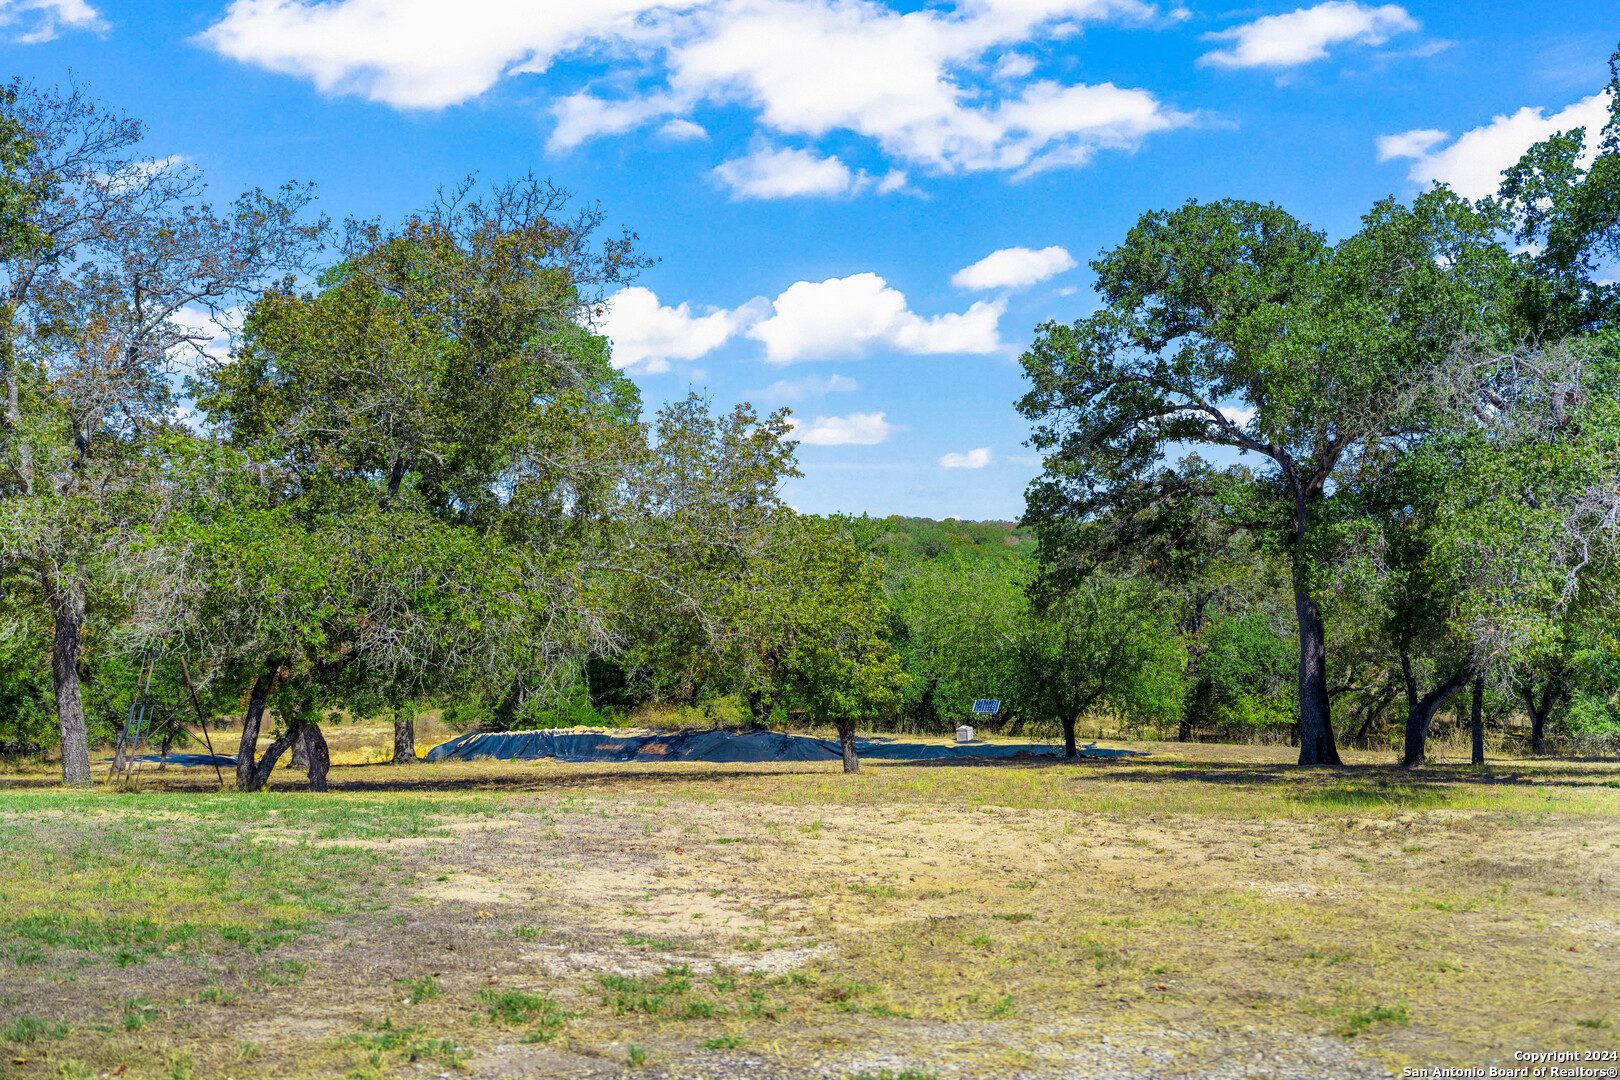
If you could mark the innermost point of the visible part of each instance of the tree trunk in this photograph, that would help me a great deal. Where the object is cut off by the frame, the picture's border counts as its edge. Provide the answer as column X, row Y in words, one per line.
column 1413, row 743
column 1420, row 711
column 1538, row 719
column 846, row 742
column 1554, row 692
column 1316, row 746
column 67, row 612
column 163, row 750
column 13, row 413
column 404, row 738
column 317, row 756
column 1069, row 749
column 248, row 747
column 259, row 772
column 315, row 750
column 1479, row 720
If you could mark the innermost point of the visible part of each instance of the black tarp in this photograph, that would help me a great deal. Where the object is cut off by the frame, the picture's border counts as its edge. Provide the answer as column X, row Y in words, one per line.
column 723, row 746
column 189, row 761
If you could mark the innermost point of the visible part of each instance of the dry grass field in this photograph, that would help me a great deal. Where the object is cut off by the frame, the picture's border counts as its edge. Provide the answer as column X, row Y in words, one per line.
column 1203, row 911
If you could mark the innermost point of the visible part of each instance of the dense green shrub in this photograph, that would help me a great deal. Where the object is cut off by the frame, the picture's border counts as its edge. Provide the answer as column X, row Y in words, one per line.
column 1245, row 676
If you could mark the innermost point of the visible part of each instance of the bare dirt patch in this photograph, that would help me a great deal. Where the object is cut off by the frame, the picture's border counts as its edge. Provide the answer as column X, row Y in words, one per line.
column 1192, row 914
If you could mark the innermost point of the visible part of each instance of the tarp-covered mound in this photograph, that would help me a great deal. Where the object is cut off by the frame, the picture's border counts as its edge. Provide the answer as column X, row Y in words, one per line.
column 720, row 746
column 190, row 761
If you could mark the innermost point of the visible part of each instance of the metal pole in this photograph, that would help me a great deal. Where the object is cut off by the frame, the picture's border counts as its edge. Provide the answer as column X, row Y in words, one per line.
column 202, row 721
column 143, row 725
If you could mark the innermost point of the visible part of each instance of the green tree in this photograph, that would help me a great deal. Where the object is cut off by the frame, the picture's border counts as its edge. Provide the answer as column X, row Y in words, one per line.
column 821, row 609
column 1188, row 530
column 1244, row 673
column 1593, row 709
column 1482, row 539
column 1103, row 642
column 1233, row 324
column 721, row 588
column 1106, row 643
column 1567, row 217
column 447, row 446
column 704, row 517
column 94, row 307
column 347, row 606
column 1397, row 523
column 965, row 624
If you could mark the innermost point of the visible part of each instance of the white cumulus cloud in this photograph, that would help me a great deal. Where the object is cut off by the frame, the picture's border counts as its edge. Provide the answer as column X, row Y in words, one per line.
column 931, row 87
column 814, row 320
column 31, row 22
column 1410, row 144
column 648, row 335
column 809, row 320
column 973, row 459
column 776, row 174
column 1472, row 164
column 414, row 55
column 1302, row 36
column 856, row 429
column 683, row 129
column 1014, row 267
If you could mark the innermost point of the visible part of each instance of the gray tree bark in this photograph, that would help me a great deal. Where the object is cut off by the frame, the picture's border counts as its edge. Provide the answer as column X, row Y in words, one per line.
column 1478, row 720
column 1316, row 744
column 1540, row 713
column 67, row 612
column 404, row 738
column 1420, row 711
column 317, row 758
column 13, row 413
column 247, row 748
column 320, row 759
column 846, row 742
column 259, row 771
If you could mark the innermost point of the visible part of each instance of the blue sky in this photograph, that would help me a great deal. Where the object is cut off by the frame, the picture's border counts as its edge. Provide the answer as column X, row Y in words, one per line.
column 860, row 209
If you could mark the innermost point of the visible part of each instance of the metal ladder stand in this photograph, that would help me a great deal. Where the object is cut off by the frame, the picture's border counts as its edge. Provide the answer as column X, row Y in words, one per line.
column 135, row 740
column 150, row 713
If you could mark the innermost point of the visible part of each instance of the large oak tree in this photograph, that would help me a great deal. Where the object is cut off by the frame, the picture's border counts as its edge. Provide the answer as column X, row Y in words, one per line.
column 1233, row 324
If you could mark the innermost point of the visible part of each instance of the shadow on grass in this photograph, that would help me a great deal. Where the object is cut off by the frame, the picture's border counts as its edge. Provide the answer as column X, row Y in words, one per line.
column 1348, row 786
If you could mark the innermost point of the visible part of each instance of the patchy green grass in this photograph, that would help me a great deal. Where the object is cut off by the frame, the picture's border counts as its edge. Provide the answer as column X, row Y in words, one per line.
column 31, row 1029
column 1368, row 909
column 422, row 989
column 1359, row 1021
column 407, row 1045
column 122, row 879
